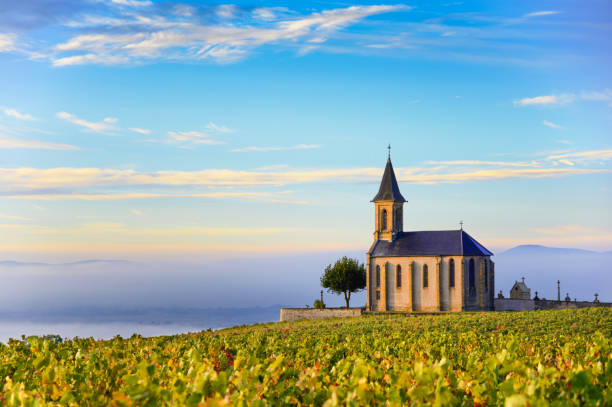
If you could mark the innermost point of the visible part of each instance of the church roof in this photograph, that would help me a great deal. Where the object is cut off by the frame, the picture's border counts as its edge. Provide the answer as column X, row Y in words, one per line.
column 521, row 285
column 389, row 190
column 430, row 243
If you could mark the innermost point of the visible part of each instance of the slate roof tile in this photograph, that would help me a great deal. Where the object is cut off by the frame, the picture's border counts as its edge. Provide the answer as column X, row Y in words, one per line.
column 389, row 190
column 430, row 243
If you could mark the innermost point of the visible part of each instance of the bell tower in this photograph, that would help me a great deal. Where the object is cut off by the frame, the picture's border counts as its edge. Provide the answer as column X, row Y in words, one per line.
column 389, row 206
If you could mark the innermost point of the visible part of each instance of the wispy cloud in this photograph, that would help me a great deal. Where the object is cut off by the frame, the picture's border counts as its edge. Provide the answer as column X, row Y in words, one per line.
column 278, row 197
column 565, row 98
column 192, row 137
column 486, row 163
column 269, row 13
column 603, row 96
column 546, row 100
column 541, row 13
column 17, row 115
column 552, row 125
column 12, row 217
column 264, row 149
column 11, row 142
column 132, row 37
column 7, row 42
column 32, row 180
column 105, row 126
column 136, row 212
column 132, row 3
column 140, row 131
column 219, row 128
column 119, row 229
column 581, row 156
column 227, row 10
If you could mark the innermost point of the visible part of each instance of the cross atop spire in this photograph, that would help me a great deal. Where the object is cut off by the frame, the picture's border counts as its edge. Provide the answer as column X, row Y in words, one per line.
column 389, row 147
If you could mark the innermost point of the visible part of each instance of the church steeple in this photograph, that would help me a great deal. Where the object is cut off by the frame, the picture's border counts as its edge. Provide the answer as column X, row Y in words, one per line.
column 389, row 204
column 389, row 190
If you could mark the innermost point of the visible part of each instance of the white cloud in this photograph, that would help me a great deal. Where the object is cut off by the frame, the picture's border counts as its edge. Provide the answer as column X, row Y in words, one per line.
column 12, row 217
column 105, row 126
column 263, row 149
column 194, row 137
column 32, row 179
column 546, row 100
column 279, row 197
column 541, row 13
column 269, row 13
column 226, row 10
column 222, row 54
column 219, row 128
column 10, row 142
column 7, row 42
column 132, row 3
column 581, row 156
column 141, row 131
column 552, row 125
column 605, row 96
column 183, row 10
column 561, row 99
column 160, row 36
column 136, row 212
column 90, row 59
column 487, row 163
column 17, row 115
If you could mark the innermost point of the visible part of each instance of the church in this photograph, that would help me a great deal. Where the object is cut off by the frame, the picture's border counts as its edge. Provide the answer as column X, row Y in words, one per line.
column 442, row 270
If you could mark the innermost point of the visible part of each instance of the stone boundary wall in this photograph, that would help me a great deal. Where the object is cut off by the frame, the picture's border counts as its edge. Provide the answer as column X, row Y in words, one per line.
column 297, row 314
column 511, row 304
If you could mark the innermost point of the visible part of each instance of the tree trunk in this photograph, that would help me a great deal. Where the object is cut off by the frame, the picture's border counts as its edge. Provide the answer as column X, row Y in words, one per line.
column 347, row 298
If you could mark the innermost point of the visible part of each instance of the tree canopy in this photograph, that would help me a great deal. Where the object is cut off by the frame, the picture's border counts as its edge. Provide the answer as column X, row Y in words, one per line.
column 345, row 276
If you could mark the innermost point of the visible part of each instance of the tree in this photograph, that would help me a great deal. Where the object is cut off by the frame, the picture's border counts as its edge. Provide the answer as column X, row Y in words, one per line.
column 346, row 276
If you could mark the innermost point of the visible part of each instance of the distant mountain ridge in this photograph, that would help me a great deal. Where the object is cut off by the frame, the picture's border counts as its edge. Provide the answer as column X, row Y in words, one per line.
column 539, row 249
column 582, row 273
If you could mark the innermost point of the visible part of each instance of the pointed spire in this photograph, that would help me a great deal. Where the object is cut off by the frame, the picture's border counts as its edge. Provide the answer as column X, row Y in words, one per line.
column 389, row 190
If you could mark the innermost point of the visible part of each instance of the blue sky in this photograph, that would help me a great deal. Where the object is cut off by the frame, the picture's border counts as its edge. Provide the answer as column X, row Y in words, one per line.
column 141, row 128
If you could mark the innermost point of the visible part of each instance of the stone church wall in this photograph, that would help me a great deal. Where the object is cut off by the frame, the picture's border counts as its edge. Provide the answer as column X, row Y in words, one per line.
column 438, row 295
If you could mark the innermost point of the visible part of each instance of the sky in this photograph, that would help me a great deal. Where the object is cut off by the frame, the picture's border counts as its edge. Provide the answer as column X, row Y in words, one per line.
column 138, row 129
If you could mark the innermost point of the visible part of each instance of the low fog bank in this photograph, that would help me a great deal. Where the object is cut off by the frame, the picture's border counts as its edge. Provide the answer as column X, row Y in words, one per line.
column 291, row 280
column 206, row 292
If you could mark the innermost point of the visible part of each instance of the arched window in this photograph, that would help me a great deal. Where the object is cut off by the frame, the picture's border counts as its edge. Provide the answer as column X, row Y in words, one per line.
column 377, row 276
column 471, row 274
column 425, row 276
column 486, row 274
column 397, row 219
column 451, row 273
column 384, row 220
column 398, row 276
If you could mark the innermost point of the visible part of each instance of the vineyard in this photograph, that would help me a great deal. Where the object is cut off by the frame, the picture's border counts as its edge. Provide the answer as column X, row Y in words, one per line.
column 543, row 358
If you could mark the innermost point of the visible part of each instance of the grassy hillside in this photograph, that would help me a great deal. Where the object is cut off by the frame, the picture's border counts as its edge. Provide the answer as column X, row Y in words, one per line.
column 513, row 359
